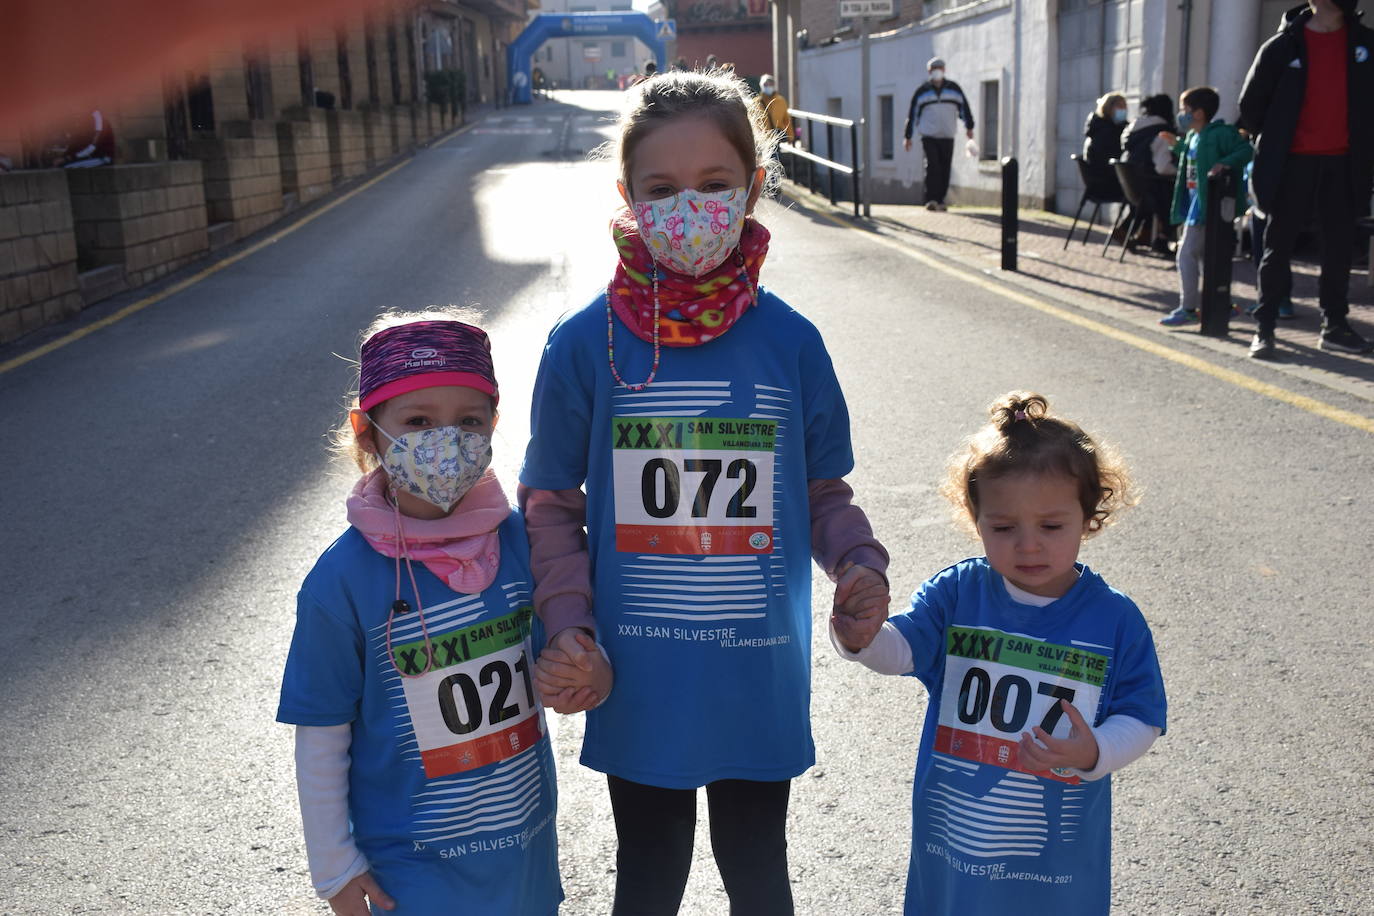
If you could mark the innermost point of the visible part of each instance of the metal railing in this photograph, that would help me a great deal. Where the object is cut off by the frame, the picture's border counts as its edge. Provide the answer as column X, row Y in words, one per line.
column 813, row 162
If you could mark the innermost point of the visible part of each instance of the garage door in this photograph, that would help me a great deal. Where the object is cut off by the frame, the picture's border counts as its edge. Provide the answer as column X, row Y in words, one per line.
column 1099, row 51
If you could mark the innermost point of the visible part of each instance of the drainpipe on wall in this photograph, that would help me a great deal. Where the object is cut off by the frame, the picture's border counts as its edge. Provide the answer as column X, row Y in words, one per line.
column 1012, row 122
column 417, row 27
column 1186, row 7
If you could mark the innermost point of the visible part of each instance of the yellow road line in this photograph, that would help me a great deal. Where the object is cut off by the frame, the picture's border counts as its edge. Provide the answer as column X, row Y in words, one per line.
column 192, row 280
column 1231, row 376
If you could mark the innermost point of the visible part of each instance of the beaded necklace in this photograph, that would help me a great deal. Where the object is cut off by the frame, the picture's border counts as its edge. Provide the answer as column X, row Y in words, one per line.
column 653, row 371
column 610, row 339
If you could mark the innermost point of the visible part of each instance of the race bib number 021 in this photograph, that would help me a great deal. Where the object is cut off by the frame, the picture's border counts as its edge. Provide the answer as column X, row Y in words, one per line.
column 998, row 685
column 689, row 485
column 476, row 705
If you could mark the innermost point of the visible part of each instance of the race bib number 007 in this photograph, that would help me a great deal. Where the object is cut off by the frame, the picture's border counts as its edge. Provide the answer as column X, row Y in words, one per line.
column 476, row 705
column 688, row 485
column 998, row 685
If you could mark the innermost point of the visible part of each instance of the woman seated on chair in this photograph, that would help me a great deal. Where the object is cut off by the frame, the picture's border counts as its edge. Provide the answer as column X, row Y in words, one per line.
column 1146, row 145
column 1102, row 142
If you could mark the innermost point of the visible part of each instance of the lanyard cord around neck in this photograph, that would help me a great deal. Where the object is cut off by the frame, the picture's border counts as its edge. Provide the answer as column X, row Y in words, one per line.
column 399, row 606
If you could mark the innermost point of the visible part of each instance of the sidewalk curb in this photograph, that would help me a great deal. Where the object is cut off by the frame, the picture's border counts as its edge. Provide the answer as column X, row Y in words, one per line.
column 1079, row 300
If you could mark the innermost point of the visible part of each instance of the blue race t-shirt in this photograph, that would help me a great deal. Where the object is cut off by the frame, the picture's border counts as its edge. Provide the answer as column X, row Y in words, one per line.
column 451, row 780
column 988, row 836
column 699, row 529
column 1195, row 215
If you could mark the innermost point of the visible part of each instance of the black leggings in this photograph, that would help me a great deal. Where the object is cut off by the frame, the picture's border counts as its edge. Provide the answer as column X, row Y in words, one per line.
column 655, row 829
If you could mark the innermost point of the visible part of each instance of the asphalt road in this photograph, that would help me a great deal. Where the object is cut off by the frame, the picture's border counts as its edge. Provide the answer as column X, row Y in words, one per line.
column 167, row 485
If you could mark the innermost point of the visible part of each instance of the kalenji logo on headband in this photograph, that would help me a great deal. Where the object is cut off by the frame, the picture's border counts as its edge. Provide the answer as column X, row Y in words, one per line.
column 422, row 358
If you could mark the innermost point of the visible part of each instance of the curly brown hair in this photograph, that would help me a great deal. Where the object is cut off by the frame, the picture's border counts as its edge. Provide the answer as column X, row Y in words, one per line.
column 1023, row 438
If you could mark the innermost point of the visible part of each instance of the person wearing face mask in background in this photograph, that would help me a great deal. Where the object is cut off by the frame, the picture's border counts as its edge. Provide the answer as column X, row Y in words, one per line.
column 421, row 744
column 702, row 414
column 1307, row 99
column 1208, row 148
column 1102, row 133
column 936, row 108
column 1102, row 144
column 774, row 109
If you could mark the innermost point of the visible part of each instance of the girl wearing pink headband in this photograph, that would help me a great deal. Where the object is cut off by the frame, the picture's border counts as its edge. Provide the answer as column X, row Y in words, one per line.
column 420, row 739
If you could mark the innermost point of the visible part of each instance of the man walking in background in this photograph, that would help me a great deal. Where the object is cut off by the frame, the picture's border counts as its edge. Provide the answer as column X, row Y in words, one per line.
column 1308, row 96
column 936, row 109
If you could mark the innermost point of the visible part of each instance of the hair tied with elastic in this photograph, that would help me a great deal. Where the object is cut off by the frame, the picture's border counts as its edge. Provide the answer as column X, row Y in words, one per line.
column 1019, row 415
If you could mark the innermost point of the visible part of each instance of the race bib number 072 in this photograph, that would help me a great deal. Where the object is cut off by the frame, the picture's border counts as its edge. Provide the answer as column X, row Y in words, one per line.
column 998, row 685
column 690, row 485
column 476, row 705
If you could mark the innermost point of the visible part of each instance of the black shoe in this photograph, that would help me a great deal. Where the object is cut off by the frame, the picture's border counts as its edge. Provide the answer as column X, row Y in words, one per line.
column 1262, row 347
column 1343, row 339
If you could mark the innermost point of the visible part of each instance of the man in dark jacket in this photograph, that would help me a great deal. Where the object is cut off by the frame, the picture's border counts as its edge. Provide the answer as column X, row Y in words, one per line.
column 1307, row 97
column 937, row 106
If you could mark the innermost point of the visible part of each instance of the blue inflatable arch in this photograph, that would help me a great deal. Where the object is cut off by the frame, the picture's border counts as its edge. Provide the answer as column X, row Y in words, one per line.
column 574, row 25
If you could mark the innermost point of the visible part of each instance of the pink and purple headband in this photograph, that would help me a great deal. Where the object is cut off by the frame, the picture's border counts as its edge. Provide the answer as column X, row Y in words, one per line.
column 424, row 354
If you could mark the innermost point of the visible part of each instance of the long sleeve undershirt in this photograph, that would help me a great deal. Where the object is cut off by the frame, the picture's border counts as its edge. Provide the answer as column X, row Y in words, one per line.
column 1121, row 739
column 556, row 520
column 322, row 783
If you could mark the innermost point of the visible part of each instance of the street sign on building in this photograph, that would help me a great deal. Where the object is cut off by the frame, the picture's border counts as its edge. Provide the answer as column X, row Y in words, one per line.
column 866, row 9
column 591, row 52
column 667, row 30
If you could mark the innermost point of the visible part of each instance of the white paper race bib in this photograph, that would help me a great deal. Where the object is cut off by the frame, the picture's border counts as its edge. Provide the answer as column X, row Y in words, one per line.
column 998, row 685
column 688, row 485
column 476, row 705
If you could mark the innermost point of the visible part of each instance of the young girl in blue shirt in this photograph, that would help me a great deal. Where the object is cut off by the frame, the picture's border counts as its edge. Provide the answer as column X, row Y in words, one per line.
column 703, row 417
column 423, row 764
column 1042, row 678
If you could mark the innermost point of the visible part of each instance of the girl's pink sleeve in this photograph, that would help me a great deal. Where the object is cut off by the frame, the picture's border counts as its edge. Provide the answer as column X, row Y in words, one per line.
column 555, row 522
column 840, row 533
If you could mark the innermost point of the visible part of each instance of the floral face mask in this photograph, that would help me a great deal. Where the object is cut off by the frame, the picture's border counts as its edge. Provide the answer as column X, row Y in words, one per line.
column 437, row 465
column 692, row 232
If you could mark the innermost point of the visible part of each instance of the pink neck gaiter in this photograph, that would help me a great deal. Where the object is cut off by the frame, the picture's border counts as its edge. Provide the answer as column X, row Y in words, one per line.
column 462, row 548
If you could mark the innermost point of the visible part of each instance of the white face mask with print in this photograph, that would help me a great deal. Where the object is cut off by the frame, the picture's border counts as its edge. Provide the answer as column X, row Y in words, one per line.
column 691, row 232
column 438, row 465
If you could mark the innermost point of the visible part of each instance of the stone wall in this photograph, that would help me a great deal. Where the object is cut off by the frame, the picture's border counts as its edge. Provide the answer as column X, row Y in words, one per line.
column 303, row 143
column 347, row 144
column 380, row 135
column 38, row 282
column 149, row 219
column 243, row 182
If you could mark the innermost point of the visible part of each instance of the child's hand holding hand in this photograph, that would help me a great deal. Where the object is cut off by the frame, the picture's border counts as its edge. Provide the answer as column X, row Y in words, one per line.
column 1078, row 750
column 571, row 674
column 861, row 601
column 352, row 900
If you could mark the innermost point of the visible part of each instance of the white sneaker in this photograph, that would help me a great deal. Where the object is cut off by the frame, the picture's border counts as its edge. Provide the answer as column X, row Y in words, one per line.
column 932, row 205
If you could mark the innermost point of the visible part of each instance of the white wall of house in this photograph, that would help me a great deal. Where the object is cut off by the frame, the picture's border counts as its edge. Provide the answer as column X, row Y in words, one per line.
column 1050, row 59
column 989, row 46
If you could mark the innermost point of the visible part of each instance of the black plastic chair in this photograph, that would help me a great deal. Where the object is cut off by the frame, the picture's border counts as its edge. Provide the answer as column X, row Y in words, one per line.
column 1135, row 212
column 1097, row 190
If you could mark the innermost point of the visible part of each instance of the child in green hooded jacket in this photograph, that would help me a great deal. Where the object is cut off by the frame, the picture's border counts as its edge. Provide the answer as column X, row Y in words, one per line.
column 1210, row 147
